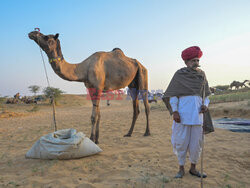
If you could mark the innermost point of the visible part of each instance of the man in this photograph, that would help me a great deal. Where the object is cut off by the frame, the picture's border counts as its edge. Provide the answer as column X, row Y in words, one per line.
column 184, row 100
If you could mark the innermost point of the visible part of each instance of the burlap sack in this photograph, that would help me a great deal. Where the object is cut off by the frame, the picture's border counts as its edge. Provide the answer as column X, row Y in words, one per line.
column 63, row 144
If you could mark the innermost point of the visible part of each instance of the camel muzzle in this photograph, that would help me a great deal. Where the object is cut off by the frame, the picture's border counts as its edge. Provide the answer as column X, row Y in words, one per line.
column 34, row 34
column 31, row 36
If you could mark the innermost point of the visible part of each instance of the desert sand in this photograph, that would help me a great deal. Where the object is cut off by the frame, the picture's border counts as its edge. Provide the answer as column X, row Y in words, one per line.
column 135, row 161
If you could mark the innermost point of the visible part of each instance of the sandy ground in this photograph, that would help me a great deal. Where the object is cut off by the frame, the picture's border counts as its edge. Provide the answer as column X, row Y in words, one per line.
column 137, row 161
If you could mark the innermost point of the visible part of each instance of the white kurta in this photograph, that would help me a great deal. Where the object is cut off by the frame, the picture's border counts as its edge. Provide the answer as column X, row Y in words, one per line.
column 187, row 135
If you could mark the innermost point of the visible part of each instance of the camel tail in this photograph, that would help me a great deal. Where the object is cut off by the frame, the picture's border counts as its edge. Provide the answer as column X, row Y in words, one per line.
column 142, row 77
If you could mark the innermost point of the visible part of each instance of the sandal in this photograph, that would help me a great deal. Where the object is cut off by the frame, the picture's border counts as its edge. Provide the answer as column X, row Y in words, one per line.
column 197, row 173
column 179, row 175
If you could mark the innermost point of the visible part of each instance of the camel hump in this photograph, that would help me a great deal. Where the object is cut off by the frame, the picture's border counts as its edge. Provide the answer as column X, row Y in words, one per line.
column 117, row 52
column 116, row 49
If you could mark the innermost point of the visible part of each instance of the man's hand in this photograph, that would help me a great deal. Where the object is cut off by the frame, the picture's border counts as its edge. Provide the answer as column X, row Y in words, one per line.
column 176, row 117
column 203, row 108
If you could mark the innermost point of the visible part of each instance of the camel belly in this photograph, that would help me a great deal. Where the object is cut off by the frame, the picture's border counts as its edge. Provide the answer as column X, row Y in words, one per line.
column 117, row 79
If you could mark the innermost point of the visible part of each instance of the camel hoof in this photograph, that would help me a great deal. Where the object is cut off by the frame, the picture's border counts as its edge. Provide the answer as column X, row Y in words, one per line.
column 147, row 134
column 127, row 135
column 96, row 142
column 92, row 138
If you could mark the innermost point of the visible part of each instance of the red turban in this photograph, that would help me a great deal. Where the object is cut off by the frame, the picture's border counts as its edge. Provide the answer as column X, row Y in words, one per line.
column 191, row 52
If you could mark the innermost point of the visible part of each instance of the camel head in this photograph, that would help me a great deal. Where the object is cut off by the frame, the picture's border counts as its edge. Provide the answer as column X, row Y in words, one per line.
column 48, row 43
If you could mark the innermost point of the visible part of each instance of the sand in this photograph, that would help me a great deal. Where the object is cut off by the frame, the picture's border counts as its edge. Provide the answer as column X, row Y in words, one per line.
column 136, row 161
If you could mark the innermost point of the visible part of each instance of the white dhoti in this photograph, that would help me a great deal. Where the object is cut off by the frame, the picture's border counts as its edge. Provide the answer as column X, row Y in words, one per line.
column 186, row 138
column 187, row 135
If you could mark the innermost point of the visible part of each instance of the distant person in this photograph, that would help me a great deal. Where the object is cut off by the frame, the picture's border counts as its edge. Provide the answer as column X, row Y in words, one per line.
column 17, row 96
column 183, row 98
column 108, row 102
column 109, row 96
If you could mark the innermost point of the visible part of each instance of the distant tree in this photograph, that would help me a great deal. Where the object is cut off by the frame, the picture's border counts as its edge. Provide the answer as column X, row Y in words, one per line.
column 34, row 89
column 51, row 92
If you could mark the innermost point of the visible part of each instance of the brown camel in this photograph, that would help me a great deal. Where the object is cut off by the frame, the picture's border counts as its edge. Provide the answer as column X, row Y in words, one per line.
column 99, row 72
column 238, row 84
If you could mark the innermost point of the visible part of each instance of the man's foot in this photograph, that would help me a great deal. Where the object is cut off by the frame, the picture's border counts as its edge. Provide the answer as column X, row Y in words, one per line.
column 180, row 174
column 197, row 173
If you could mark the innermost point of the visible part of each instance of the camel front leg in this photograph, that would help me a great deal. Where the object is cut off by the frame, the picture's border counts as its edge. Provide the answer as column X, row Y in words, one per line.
column 93, row 122
column 95, row 118
column 97, row 126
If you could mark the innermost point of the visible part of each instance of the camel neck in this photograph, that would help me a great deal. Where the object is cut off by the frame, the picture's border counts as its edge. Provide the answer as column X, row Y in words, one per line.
column 66, row 70
column 54, row 55
column 51, row 60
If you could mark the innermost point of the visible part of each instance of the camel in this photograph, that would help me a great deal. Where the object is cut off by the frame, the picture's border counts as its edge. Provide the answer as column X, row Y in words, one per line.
column 99, row 72
column 238, row 84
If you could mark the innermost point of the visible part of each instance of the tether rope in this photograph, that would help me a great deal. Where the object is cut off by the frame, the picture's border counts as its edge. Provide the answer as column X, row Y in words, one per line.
column 44, row 67
column 52, row 97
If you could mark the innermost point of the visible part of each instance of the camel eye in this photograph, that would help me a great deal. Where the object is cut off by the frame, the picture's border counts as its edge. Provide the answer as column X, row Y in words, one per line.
column 46, row 38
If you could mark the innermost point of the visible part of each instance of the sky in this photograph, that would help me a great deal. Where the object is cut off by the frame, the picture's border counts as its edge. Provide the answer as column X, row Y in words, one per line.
column 154, row 32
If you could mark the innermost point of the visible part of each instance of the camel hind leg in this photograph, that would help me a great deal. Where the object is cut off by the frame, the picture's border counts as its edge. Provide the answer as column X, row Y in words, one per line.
column 139, row 86
column 147, row 111
column 136, row 111
column 142, row 82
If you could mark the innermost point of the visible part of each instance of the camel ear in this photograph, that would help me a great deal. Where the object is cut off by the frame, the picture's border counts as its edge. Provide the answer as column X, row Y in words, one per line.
column 56, row 36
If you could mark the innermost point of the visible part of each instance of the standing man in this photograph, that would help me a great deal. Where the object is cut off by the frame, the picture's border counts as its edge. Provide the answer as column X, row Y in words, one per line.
column 184, row 100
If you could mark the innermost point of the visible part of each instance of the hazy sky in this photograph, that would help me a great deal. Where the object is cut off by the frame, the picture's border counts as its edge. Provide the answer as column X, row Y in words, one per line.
column 152, row 31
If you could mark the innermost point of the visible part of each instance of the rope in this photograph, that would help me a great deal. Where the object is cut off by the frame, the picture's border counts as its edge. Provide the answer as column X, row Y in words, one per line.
column 52, row 97
column 44, row 66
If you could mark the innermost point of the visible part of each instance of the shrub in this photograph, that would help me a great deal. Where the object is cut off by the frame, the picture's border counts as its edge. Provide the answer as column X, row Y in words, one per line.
column 230, row 97
column 222, row 87
column 51, row 92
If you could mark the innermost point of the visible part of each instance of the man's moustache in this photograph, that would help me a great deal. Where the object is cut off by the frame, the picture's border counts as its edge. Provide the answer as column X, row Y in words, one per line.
column 195, row 66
